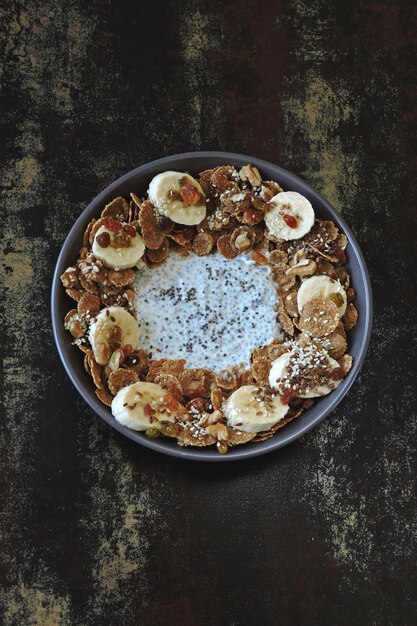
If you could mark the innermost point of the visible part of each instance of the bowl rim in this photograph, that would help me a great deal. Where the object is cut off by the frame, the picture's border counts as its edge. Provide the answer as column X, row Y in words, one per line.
column 207, row 454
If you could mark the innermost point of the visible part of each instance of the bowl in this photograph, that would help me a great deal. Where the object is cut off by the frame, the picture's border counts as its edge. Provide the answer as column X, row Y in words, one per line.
column 137, row 180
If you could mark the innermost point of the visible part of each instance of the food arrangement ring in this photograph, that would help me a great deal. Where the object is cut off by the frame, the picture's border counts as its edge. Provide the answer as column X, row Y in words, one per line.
column 206, row 206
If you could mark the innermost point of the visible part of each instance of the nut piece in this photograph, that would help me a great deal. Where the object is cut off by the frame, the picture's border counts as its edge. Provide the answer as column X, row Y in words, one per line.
column 210, row 418
column 216, row 398
column 116, row 359
column 219, row 431
column 305, row 267
column 76, row 329
column 102, row 353
column 251, row 174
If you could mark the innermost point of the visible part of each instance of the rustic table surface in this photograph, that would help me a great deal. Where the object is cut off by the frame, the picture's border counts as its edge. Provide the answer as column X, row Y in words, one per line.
column 97, row 530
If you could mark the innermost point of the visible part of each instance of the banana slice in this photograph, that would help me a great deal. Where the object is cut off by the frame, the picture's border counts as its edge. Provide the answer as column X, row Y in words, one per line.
column 279, row 370
column 106, row 320
column 322, row 287
column 291, row 215
column 141, row 406
column 252, row 409
column 178, row 196
column 118, row 250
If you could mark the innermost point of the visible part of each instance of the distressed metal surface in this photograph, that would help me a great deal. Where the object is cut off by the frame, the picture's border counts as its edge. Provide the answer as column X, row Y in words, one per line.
column 96, row 530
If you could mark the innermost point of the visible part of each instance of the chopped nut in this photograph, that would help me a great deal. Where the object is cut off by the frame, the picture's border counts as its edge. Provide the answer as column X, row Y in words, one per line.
column 305, row 267
column 116, row 359
column 251, row 174
column 102, row 353
column 219, row 431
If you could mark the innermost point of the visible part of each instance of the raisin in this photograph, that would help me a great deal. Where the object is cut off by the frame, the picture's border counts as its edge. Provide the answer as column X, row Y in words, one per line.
column 337, row 374
column 189, row 194
column 170, row 402
column 103, row 240
column 112, row 225
column 350, row 294
column 129, row 230
column 336, row 298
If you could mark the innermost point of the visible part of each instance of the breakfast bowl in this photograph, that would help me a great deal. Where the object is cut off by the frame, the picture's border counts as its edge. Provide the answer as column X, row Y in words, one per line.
column 137, row 181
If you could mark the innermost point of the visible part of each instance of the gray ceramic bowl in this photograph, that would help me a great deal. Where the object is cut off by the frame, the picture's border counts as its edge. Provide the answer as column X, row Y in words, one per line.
column 137, row 180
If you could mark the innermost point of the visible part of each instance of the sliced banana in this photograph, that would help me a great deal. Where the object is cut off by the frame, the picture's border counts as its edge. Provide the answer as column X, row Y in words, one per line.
column 279, row 370
column 251, row 410
column 169, row 192
column 291, row 215
column 118, row 258
column 322, row 287
column 141, row 406
column 108, row 318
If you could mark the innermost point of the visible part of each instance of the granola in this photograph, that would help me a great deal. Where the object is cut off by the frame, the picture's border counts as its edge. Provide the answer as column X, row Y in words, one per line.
column 223, row 211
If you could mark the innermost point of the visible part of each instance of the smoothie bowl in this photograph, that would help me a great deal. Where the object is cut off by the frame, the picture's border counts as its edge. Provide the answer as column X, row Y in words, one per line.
column 211, row 306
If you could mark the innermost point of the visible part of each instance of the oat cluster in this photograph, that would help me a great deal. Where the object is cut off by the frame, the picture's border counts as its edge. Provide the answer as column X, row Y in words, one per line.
column 237, row 201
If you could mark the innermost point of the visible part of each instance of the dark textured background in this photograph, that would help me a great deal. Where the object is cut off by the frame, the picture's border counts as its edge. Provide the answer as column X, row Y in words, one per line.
column 97, row 530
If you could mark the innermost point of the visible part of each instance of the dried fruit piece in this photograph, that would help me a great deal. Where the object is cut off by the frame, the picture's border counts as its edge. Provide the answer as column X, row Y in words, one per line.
column 103, row 239
column 137, row 361
column 350, row 318
column 188, row 193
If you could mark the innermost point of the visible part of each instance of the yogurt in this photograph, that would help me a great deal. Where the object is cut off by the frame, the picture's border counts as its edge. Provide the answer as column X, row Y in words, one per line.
column 208, row 310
